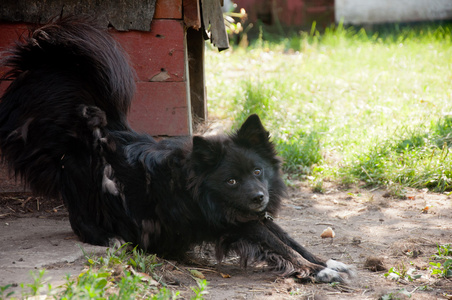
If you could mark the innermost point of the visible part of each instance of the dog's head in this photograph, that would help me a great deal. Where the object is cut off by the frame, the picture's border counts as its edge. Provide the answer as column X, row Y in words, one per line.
column 239, row 174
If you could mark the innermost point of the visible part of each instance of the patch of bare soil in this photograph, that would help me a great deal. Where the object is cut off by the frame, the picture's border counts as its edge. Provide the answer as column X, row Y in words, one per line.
column 25, row 205
column 374, row 232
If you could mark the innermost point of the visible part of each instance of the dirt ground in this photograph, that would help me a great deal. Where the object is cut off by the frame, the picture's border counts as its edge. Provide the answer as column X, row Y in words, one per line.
column 373, row 228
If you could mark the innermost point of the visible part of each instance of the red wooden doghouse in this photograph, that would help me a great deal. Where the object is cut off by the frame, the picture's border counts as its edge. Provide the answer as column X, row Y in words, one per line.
column 167, row 54
column 165, row 42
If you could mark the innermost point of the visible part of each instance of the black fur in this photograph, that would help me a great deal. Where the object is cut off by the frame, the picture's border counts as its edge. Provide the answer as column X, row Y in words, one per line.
column 63, row 129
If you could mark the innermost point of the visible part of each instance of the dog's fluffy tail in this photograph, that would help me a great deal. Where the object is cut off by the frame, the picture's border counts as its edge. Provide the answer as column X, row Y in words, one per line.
column 70, row 80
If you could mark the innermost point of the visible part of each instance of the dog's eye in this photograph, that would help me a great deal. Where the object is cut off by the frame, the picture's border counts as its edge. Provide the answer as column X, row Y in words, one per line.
column 232, row 181
column 257, row 172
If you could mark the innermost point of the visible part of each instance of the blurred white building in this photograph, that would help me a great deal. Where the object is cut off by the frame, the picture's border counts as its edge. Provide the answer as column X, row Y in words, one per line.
column 359, row 12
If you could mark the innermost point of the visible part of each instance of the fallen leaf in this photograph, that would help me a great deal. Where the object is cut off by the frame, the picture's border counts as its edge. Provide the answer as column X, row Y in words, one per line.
column 197, row 274
column 328, row 233
column 225, row 275
column 147, row 278
column 426, row 209
column 144, row 276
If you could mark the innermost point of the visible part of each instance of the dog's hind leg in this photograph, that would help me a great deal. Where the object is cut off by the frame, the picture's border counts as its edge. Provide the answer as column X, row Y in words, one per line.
column 80, row 175
column 90, row 190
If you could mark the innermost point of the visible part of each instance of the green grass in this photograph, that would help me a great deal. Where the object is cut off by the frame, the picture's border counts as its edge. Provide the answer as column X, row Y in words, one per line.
column 347, row 105
column 120, row 274
column 442, row 264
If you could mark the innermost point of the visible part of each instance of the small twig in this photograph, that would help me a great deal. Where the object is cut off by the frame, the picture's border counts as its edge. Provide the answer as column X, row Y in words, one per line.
column 367, row 174
column 170, row 263
column 429, row 241
column 326, row 224
column 24, row 202
column 351, row 213
column 203, row 269
column 346, row 288
column 186, row 271
column 59, row 206
column 258, row 290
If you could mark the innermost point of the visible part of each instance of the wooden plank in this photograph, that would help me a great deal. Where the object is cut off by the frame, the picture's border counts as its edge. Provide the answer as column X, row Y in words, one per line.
column 212, row 16
column 168, row 9
column 157, row 55
column 122, row 15
column 9, row 184
column 192, row 14
column 9, row 33
column 198, row 97
column 4, row 84
column 160, row 108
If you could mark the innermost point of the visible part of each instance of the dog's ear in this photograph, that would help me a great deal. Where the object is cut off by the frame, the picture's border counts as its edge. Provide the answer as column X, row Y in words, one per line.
column 252, row 132
column 205, row 151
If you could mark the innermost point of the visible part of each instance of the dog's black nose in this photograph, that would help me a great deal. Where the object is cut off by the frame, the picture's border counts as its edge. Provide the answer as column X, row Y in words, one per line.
column 258, row 198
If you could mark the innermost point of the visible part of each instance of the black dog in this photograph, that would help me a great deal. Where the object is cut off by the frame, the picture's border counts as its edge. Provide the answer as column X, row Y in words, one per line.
column 63, row 129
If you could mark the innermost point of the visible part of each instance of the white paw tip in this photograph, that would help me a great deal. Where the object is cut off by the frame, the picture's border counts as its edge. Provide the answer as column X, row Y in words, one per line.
column 339, row 267
column 328, row 275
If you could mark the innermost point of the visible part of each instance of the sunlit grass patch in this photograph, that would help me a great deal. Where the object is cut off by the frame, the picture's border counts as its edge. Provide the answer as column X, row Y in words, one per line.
column 416, row 158
column 347, row 104
column 300, row 149
column 121, row 273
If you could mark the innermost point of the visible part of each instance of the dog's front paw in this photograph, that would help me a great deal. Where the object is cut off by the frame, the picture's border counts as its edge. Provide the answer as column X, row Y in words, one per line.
column 328, row 275
column 340, row 267
column 334, row 272
column 115, row 242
